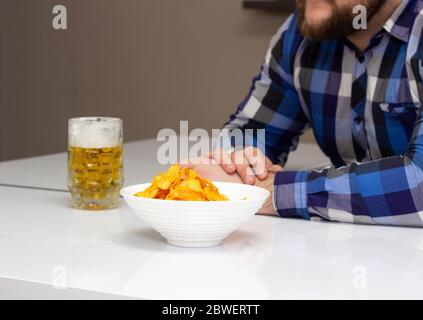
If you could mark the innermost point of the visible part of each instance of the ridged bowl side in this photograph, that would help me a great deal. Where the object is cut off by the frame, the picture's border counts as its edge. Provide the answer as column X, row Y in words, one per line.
column 196, row 224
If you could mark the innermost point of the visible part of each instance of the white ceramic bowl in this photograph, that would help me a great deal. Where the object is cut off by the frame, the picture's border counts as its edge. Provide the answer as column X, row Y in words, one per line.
column 198, row 223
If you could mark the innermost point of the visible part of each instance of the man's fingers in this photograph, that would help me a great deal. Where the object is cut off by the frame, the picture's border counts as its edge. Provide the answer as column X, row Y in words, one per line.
column 243, row 167
column 269, row 163
column 257, row 161
column 225, row 161
column 186, row 164
column 275, row 168
column 191, row 163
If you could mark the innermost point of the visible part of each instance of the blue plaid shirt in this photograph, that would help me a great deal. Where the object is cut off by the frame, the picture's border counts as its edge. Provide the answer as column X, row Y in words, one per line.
column 365, row 111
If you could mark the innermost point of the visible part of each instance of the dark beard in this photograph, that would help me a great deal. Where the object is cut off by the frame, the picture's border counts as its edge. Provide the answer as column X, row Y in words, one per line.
column 339, row 25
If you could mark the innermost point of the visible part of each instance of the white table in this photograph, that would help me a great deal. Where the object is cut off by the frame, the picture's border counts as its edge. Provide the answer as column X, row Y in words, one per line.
column 44, row 241
column 49, row 250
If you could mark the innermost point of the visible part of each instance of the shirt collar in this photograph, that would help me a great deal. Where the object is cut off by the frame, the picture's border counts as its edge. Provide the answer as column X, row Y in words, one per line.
column 401, row 22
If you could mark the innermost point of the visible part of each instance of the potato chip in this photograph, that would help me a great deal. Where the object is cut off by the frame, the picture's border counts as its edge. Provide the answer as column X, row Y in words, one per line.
column 182, row 184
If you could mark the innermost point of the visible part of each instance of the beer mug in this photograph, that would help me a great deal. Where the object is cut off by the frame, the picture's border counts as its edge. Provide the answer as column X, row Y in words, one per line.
column 95, row 164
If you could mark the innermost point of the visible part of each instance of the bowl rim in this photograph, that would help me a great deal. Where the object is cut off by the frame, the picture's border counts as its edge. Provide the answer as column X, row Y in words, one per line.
column 126, row 195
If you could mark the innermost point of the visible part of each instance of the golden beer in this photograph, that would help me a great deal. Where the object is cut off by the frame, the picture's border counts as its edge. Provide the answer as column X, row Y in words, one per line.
column 95, row 163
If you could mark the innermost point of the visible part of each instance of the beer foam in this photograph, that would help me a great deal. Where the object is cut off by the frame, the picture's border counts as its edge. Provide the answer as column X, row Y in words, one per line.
column 94, row 134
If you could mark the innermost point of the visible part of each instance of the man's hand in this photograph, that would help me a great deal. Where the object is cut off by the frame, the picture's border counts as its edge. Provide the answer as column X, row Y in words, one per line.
column 211, row 170
column 249, row 163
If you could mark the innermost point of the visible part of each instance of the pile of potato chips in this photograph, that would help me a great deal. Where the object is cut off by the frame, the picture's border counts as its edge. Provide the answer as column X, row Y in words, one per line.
column 182, row 184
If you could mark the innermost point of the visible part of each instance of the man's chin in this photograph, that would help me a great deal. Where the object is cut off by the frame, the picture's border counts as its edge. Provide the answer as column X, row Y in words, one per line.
column 317, row 20
column 326, row 24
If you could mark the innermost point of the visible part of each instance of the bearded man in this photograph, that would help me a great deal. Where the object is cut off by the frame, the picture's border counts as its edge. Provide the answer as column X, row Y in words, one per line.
column 360, row 91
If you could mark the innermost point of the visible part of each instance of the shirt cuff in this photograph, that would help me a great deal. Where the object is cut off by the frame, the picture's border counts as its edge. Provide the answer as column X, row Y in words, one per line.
column 290, row 194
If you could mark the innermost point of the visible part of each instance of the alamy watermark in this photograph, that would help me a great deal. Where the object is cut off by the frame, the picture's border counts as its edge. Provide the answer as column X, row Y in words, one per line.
column 197, row 145
column 60, row 17
column 360, row 20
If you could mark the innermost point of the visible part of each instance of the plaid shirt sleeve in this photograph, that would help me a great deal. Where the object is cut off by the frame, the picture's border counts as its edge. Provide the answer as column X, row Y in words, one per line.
column 272, row 103
column 387, row 191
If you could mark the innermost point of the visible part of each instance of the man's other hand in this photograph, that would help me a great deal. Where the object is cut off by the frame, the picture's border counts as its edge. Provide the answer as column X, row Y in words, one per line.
column 249, row 163
column 211, row 170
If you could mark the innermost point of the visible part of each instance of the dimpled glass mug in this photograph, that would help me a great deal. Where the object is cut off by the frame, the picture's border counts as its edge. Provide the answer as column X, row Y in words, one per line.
column 95, row 163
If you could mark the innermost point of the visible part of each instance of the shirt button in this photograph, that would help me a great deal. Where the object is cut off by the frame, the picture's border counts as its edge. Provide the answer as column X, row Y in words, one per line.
column 358, row 120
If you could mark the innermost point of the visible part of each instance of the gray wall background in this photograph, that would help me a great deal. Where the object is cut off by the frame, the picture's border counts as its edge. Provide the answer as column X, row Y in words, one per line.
column 150, row 62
